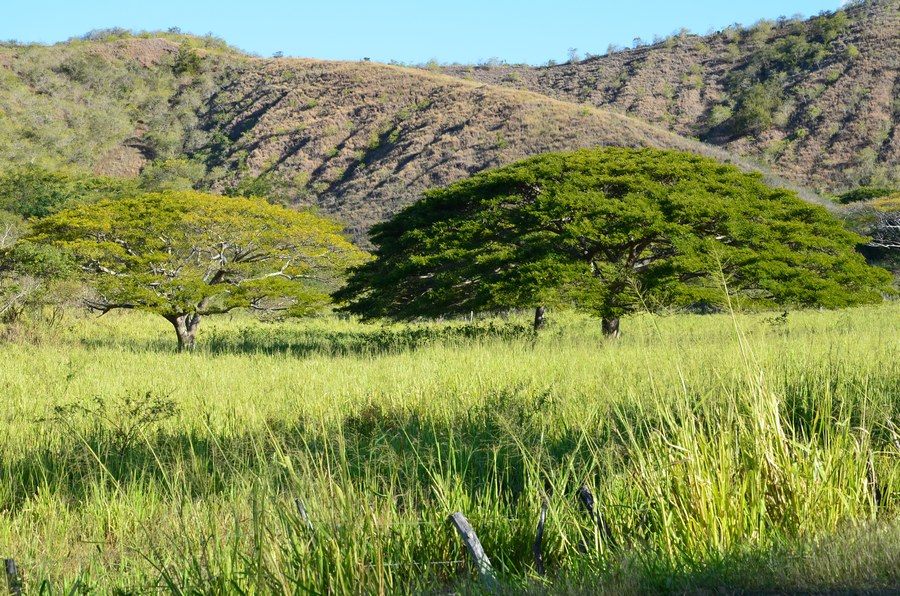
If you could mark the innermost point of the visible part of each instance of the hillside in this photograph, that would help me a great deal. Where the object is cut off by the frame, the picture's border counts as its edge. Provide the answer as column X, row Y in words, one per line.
column 108, row 102
column 362, row 140
column 818, row 100
column 357, row 140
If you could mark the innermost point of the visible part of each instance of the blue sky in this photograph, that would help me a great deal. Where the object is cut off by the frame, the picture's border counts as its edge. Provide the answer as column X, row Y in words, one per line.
column 467, row 31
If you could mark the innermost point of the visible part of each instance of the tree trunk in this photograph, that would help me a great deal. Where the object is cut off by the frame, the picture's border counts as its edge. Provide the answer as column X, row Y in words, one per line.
column 186, row 329
column 539, row 317
column 611, row 327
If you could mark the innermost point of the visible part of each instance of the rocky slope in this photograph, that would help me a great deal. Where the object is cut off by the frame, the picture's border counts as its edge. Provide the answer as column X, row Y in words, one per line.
column 818, row 100
column 356, row 140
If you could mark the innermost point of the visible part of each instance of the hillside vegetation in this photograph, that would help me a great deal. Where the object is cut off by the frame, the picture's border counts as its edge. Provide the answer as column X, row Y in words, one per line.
column 356, row 140
column 819, row 100
column 363, row 140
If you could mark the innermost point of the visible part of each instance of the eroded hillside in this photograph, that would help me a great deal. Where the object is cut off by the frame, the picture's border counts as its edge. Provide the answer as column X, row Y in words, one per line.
column 819, row 100
column 361, row 140
column 357, row 140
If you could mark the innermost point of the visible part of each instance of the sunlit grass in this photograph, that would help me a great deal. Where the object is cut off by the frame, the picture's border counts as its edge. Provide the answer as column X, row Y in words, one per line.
column 719, row 452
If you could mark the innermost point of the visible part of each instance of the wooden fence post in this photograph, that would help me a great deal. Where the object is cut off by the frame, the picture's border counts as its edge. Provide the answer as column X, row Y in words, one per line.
column 12, row 578
column 471, row 541
column 538, row 557
column 301, row 511
column 587, row 499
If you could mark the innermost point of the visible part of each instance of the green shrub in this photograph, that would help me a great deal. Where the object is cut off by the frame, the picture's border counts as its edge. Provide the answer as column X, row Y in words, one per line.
column 864, row 193
column 31, row 191
column 756, row 108
column 718, row 115
column 826, row 29
column 187, row 61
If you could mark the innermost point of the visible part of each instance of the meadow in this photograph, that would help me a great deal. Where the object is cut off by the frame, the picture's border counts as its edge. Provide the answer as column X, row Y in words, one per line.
column 750, row 451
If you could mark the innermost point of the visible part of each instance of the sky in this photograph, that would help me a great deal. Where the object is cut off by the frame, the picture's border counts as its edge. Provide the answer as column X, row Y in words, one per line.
column 465, row 31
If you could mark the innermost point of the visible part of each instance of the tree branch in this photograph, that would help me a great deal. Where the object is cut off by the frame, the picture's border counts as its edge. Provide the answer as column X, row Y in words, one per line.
column 105, row 307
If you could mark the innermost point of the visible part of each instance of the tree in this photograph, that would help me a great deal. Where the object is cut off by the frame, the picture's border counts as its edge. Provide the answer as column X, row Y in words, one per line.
column 32, row 275
column 185, row 255
column 885, row 230
column 187, row 61
column 756, row 108
column 609, row 231
column 865, row 193
column 879, row 219
column 30, row 191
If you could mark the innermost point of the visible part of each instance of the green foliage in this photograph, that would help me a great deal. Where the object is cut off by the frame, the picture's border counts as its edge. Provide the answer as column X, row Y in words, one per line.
column 755, row 111
column 864, row 193
column 609, row 231
column 37, row 260
column 32, row 276
column 31, row 191
column 827, row 28
column 274, row 187
column 187, row 61
column 760, row 88
column 70, row 107
column 122, row 422
column 172, row 174
column 186, row 254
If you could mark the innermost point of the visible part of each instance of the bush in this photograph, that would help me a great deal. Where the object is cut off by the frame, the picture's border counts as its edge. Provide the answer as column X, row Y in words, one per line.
column 826, row 29
column 109, row 34
column 172, row 174
column 756, row 108
column 187, row 61
column 718, row 115
column 864, row 193
column 30, row 191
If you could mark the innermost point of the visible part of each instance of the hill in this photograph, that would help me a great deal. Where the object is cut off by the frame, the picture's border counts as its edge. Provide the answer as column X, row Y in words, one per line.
column 361, row 140
column 818, row 100
column 357, row 140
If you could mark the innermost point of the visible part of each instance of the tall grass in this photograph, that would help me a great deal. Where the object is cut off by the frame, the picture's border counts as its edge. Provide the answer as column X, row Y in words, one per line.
column 751, row 453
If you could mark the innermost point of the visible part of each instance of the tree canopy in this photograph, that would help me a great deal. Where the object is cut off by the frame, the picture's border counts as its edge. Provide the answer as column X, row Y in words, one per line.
column 184, row 255
column 609, row 231
column 30, row 191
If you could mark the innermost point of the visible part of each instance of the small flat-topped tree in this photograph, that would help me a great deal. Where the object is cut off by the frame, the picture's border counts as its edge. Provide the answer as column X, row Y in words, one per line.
column 186, row 255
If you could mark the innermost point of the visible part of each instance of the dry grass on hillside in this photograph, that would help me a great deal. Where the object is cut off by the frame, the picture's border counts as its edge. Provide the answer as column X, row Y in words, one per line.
column 840, row 111
column 361, row 140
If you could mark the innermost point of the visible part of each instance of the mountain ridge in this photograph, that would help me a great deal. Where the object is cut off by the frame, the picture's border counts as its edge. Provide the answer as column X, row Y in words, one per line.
column 360, row 140
column 833, row 80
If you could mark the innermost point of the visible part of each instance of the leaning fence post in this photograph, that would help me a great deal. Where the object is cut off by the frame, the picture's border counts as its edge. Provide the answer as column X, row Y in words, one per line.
column 471, row 541
column 12, row 578
column 895, row 434
column 304, row 517
column 538, row 557
column 587, row 499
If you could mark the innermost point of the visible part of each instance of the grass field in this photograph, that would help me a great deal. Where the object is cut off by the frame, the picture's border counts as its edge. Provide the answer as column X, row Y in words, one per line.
column 750, row 453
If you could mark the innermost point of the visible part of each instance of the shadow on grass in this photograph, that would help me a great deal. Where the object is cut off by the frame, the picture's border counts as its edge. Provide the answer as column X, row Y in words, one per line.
column 122, row 447
column 503, row 448
column 369, row 341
